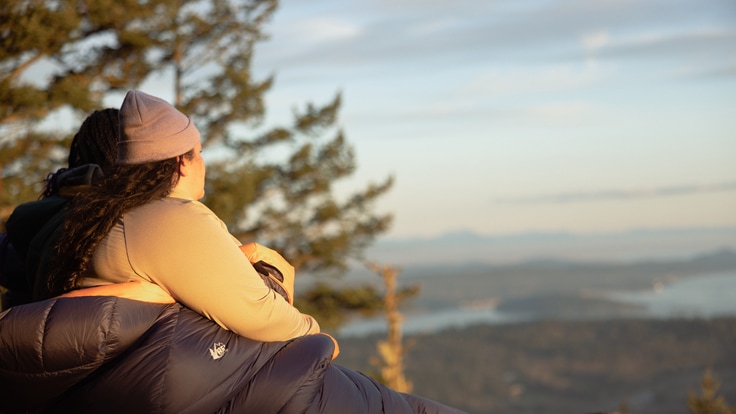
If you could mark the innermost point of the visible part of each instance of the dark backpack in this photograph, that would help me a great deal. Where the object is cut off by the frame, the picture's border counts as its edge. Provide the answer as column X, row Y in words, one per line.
column 12, row 276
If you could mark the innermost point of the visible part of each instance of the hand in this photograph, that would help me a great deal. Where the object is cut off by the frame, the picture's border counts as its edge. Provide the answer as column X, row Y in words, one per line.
column 259, row 253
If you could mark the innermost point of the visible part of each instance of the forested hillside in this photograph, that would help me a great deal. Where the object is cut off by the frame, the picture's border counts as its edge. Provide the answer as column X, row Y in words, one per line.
column 566, row 367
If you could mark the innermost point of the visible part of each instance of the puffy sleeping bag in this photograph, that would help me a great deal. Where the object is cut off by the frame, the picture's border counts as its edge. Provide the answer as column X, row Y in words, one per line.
column 114, row 355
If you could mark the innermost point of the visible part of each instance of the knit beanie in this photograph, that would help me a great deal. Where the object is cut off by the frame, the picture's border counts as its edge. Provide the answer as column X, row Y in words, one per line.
column 151, row 129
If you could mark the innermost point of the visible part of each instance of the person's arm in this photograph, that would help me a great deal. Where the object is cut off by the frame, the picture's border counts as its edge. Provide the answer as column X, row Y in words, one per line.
column 204, row 269
column 136, row 290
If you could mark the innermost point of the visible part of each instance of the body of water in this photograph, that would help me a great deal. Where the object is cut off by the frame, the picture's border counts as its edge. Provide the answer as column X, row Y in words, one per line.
column 703, row 296
column 698, row 296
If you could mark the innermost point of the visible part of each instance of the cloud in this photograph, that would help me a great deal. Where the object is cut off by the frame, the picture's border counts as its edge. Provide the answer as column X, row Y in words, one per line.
column 379, row 39
column 523, row 80
column 323, row 30
column 561, row 112
column 681, row 44
column 723, row 71
column 620, row 195
column 433, row 26
column 594, row 41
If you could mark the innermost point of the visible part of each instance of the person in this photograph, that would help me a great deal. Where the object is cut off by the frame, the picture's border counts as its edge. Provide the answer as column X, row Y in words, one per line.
column 94, row 349
column 33, row 227
column 143, row 222
column 92, row 153
column 114, row 355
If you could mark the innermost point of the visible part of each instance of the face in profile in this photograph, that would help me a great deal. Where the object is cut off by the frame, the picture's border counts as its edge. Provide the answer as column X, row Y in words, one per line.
column 199, row 171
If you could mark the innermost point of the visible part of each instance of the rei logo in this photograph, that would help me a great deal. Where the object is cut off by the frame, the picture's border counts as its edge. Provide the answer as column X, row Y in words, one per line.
column 218, row 350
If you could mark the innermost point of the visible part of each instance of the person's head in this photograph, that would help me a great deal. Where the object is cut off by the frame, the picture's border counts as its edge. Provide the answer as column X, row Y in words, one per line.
column 96, row 142
column 158, row 152
column 152, row 130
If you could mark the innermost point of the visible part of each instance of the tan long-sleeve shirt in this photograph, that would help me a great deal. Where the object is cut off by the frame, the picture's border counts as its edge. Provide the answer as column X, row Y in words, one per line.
column 182, row 246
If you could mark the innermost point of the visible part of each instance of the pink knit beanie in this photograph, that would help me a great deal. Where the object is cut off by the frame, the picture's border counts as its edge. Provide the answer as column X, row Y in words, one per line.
column 151, row 129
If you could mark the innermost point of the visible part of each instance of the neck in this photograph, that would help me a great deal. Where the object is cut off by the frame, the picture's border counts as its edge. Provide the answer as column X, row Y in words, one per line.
column 177, row 192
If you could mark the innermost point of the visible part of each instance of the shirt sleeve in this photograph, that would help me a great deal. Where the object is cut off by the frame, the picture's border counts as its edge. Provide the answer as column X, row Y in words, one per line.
column 183, row 247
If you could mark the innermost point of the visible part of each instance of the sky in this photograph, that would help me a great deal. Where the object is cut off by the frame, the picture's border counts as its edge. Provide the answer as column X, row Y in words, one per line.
column 503, row 117
column 524, row 116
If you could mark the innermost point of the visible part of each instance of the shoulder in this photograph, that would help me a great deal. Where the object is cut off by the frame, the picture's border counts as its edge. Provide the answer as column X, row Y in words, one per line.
column 170, row 208
column 171, row 212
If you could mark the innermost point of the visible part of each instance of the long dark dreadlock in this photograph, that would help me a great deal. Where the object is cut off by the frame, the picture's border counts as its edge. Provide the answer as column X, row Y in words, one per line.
column 96, row 142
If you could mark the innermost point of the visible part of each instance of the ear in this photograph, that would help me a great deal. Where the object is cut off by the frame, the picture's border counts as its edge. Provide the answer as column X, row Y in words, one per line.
column 183, row 166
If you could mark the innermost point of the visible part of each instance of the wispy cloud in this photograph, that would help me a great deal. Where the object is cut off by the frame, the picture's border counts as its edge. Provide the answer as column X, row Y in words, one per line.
column 410, row 35
column 614, row 195
column 596, row 40
column 536, row 79
column 674, row 44
column 324, row 29
column 561, row 111
column 431, row 27
column 727, row 70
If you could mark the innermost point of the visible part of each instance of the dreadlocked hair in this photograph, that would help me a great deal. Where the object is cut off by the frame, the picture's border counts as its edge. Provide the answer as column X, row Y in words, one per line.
column 92, row 214
column 96, row 142
column 52, row 183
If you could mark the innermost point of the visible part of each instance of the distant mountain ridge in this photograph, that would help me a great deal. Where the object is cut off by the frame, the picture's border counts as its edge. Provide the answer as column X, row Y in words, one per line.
column 467, row 246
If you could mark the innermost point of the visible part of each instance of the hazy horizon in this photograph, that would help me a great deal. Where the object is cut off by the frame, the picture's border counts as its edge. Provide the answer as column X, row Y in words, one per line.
column 620, row 246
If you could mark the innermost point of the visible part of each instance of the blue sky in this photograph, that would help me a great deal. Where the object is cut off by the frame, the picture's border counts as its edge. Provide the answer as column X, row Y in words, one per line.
column 523, row 116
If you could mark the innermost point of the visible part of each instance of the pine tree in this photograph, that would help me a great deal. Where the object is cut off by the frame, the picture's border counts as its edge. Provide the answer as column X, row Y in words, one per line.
column 390, row 361
column 708, row 402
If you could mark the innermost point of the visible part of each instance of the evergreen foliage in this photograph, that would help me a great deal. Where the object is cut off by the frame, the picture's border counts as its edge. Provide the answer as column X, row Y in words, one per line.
column 391, row 351
column 709, row 402
column 332, row 307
